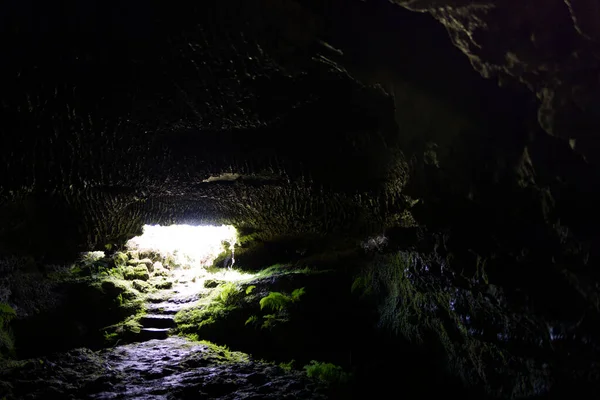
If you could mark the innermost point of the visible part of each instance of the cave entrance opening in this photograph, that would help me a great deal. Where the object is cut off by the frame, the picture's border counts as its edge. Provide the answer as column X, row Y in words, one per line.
column 183, row 257
column 187, row 246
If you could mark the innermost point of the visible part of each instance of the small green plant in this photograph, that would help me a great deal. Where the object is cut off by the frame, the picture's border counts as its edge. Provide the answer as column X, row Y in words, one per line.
column 326, row 372
column 277, row 301
column 7, row 314
column 110, row 337
column 253, row 319
column 221, row 302
column 250, row 288
column 296, row 294
column 287, row 366
column 227, row 293
column 119, row 300
column 120, row 259
column 223, row 353
column 271, row 320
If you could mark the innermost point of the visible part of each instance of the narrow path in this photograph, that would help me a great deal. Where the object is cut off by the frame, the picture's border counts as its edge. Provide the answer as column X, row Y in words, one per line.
column 162, row 306
column 159, row 366
column 169, row 369
column 175, row 368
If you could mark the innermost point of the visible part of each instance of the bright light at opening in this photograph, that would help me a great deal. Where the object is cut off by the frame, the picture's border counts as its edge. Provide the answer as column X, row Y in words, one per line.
column 188, row 245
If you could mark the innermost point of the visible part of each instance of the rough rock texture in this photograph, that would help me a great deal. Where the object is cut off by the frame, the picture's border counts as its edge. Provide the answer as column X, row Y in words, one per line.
column 128, row 120
column 170, row 369
column 553, row 47
column 321, row 119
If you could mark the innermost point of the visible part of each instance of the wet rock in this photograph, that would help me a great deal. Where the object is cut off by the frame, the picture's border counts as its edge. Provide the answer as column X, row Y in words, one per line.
column 256, row 378
column 174, row 368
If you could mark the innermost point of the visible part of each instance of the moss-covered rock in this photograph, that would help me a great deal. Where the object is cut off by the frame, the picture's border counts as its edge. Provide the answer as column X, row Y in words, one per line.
column 159, row 270
column 148, row 263
column 163, row 284
column 140, row 285
column 120, row 259
column 212, row 283
column 6, row 339
column 138, row 272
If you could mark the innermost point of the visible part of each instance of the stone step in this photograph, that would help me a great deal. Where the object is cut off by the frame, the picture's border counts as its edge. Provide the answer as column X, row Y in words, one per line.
column 166, row 308
column 157, row 321
column 156, row 299
column 153, row 333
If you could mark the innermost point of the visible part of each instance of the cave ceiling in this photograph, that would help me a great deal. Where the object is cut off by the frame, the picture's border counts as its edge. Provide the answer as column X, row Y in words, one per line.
column 285, row 116
column 552, row 47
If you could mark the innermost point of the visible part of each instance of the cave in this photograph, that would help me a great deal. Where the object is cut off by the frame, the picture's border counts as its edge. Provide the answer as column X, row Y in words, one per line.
column 407, row 190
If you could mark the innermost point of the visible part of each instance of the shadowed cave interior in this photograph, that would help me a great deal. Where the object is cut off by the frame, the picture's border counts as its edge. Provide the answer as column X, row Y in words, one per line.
column 398, row 199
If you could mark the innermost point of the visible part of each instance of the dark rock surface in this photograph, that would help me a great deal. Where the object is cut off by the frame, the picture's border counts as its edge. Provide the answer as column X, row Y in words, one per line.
column 313, row 126
column 552, row 47
column 158, row 369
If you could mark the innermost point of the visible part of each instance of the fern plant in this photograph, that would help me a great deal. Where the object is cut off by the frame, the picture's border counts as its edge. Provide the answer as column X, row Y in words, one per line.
column 7, row 314
column 326, row 372
column 278, row 302
column 275, row 301
column 227, row 294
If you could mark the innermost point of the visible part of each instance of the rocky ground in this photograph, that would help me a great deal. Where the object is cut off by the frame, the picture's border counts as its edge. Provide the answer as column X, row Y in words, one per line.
column 174, row 368
column 143, row 358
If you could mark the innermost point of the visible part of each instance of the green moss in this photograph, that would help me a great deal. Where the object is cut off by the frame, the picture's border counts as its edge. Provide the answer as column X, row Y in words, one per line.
column 296, row 294
column 160, row 271
column 250, row 288
column 113, row 287
column 120, row 259
column 287, row 366
column 126, row 330
column 272, row 320
column 326, row 372
column 277, row 301
column 212, row 283
column 222, row 353
column 7, row 314
column 417, row 308
column 227, row 295
column 141, row 286
column 163, row 284
column 283, row 269
column 217, row 306
column 138, row 272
